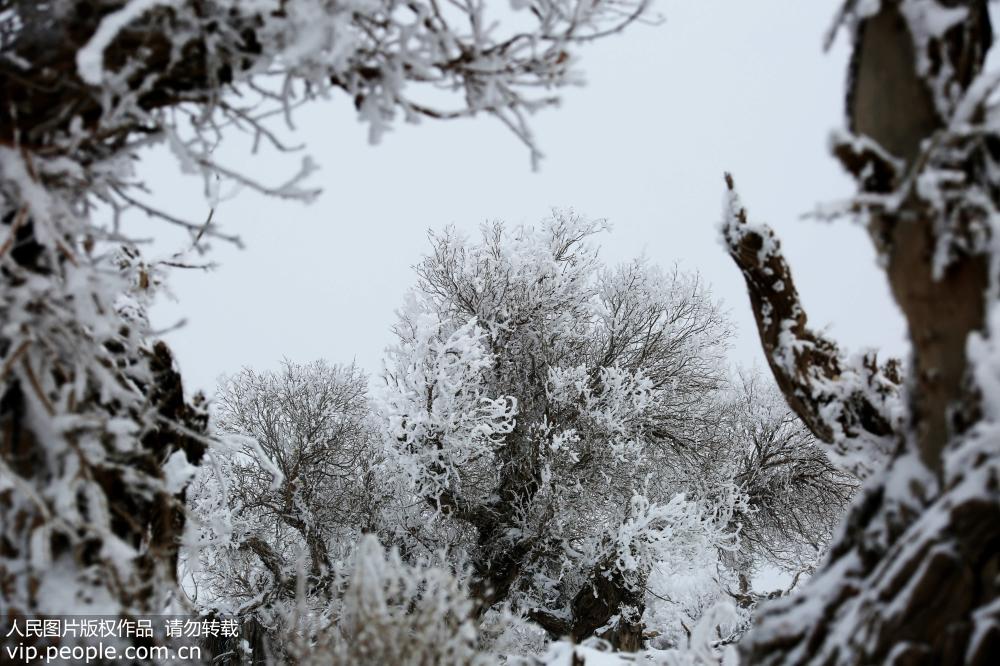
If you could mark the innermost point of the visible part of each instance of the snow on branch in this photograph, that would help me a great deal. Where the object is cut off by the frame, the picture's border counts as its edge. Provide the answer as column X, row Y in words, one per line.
column 853, row 404
column 132, row 60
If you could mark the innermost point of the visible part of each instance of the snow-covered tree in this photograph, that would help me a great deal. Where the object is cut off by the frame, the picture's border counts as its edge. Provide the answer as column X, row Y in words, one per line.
column 911, row 578
column 299, row 479
column 98, row 439
column 535, row 398
column 289, row 496
column 793, row 495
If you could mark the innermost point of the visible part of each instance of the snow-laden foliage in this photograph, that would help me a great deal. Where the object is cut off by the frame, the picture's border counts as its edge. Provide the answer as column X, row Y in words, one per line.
column 384, row 610
column 396, row 613
column 446, row 375
column 574, row 431
column 793, row 494
column 679, row 530
column 702, row 647
column 561, row 438
column 296, row 483
column 153, row 65
column 90, row 408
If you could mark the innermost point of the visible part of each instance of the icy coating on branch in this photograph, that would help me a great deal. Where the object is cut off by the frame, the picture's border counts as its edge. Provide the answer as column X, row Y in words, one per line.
column 417, row 59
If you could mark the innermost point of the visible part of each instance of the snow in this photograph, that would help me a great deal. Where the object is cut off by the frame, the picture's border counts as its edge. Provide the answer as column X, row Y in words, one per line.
column 702, row 648
column 90, row 58
column 178, row 472
column 932, row 18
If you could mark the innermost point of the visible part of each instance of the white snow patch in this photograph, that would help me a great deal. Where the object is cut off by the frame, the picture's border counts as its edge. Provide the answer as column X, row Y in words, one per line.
column 90, row 59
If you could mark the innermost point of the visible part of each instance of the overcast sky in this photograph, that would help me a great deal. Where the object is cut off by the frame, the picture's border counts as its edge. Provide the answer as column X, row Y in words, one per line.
column 722, row 85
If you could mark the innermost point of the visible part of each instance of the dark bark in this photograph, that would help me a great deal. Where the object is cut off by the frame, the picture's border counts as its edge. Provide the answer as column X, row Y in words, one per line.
column 500, row 557
column 894, row 106
column 596, row 606
column 607, row 607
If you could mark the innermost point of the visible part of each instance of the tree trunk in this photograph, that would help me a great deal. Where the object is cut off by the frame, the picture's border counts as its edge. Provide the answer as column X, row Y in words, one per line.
column 914, row 576
column 606, row 607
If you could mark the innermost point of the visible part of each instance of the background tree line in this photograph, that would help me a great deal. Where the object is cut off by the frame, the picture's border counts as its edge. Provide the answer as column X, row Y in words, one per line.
column 563, row 437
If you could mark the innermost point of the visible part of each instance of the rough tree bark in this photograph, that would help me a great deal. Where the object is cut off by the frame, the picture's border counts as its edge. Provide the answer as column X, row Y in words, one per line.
column 598, row 609
column 913, row 577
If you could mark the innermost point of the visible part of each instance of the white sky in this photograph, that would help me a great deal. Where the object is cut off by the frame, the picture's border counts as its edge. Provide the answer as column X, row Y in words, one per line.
column 722, row 85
